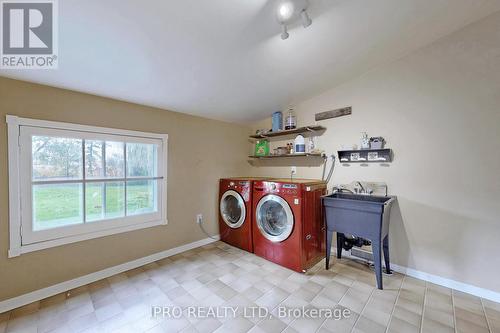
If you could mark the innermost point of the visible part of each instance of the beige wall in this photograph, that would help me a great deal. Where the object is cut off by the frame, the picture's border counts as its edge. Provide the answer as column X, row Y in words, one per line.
column 200, row 152
column 439, row 109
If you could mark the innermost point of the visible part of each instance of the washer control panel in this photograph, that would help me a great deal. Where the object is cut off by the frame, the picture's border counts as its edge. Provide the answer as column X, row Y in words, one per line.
column 237, row 185
column 240, row 186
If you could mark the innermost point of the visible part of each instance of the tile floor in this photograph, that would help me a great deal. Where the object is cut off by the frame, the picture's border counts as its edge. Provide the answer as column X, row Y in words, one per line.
column 221, row 276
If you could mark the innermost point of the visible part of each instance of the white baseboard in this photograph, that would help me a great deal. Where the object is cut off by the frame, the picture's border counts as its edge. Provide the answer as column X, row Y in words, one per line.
column 40, row 294
column 449, row 283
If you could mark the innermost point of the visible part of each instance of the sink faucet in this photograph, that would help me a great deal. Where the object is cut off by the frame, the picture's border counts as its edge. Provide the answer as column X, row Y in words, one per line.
column 341, row 189
column 362, row 190
column 361, row 187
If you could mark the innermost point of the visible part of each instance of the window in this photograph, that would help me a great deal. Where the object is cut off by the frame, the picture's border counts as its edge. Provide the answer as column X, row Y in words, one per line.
column 72, row 182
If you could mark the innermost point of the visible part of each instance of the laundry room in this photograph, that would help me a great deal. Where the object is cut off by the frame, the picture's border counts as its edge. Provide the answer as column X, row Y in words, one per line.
column 249, row 166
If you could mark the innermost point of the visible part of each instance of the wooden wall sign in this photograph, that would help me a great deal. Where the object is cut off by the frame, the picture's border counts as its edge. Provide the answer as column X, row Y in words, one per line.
column 333, row 113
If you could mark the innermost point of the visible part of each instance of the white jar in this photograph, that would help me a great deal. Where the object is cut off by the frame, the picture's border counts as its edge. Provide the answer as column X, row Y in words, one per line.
column 299, row 145
column 365, row 142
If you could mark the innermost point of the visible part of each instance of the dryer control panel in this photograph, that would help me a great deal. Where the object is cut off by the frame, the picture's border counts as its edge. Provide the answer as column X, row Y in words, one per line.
column 292, row 189
column 278, row 188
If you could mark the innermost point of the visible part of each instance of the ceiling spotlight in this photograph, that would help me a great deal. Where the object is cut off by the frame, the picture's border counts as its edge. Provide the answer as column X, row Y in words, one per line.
column 285, row 11
column 306, row 20
column 289, row 11
column 284, row 32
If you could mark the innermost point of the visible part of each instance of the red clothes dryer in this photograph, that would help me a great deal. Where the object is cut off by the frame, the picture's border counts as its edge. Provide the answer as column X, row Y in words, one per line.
column 235, row 212
column 288, row 226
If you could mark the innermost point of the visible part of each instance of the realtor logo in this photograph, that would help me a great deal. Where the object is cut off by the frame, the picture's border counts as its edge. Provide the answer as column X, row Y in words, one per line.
column 29, row 34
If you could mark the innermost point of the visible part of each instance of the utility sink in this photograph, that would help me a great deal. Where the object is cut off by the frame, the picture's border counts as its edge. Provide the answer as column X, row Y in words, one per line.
column 359, row 197
column 365, row 216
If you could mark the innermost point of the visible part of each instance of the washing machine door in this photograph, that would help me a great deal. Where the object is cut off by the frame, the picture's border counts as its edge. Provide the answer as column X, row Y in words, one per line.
column 232, row 209
column 274, row 218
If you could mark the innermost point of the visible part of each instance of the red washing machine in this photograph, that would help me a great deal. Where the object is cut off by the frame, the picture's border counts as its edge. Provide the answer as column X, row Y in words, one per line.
column 235, row 212
column 288, row 226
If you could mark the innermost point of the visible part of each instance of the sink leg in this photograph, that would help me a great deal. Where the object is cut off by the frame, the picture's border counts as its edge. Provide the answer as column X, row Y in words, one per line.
column 386, row 255
column 340, row 244
column 329, row 236
column 377, row 261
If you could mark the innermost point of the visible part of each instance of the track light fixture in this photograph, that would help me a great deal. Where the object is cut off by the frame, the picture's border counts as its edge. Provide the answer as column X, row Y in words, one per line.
column 289, row 11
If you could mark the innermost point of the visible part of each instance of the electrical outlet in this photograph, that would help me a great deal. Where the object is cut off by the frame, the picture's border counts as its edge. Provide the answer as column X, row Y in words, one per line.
column 199, row 218
column 293, row 170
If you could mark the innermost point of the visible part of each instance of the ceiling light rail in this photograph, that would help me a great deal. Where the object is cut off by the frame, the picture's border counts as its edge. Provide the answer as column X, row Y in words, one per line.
column 290, row 11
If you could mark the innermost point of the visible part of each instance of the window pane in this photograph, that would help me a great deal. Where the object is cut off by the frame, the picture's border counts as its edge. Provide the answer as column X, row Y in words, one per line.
column 94, row 205
column 114, row 159
column 57, row 205
column 95, row 164
column 93, row 159
column 141, row 160
column 141, row 197
column 104, row 200
column 56, row 158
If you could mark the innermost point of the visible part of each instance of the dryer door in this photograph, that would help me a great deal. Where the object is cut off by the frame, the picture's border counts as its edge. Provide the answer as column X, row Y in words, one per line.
column 274, row 218
column 232, row 209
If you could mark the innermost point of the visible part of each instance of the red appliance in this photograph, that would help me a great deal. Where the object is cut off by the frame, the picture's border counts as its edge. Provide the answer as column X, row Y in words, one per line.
column 235, row 212
column 288, row 226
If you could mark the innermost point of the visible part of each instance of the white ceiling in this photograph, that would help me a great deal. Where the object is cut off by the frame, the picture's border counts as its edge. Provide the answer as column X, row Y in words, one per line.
column 224, row 59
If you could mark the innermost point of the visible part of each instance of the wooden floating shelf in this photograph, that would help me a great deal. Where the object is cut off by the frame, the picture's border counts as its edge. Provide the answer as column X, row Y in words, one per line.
column 288, row 156
column 366, row 156
column 300, row 130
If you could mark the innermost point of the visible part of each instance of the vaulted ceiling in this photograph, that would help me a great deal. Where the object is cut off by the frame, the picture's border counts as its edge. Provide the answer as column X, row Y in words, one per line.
column 224, row 59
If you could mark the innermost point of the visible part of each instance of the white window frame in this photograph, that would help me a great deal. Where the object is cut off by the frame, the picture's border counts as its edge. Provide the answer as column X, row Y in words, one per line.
column 20, row 187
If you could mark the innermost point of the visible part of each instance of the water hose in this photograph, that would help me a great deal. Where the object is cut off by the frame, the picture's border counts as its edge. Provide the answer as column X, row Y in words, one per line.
column 330, row 172
column 205, row 232
column 324, row 168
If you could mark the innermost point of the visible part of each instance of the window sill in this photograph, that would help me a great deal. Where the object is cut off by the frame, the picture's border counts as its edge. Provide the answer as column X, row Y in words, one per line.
column 15, row 252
